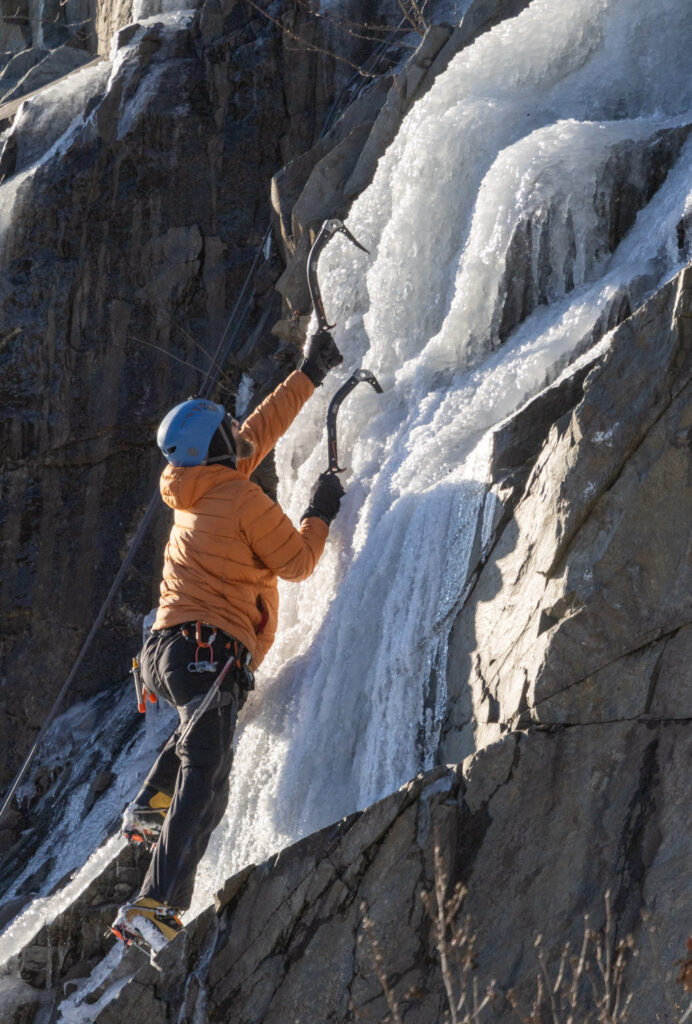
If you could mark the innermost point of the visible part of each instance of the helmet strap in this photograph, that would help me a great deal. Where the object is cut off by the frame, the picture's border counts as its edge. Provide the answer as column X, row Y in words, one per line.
column 229, row 458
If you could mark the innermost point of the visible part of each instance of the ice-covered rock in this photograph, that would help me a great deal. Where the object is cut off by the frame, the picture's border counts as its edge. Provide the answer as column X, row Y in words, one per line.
column 134, row 196
column 538, row 827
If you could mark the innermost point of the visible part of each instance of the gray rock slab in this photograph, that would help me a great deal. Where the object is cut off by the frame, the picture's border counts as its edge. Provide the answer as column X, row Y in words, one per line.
column 47, row 68
column 20, row 1003
column 590, row 580
column 537, row 827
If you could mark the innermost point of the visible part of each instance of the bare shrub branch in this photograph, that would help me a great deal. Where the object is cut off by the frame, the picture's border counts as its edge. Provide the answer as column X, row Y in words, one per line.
column 586, row 989
column 413, row 12
column 308, row 45
column 378, row 963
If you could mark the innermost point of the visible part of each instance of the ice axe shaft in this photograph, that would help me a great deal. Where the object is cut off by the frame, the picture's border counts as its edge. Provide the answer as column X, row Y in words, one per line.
column 360, row 376
column 327, row 231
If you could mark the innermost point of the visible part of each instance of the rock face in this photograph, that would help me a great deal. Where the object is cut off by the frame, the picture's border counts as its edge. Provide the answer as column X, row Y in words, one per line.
column 323, row 181
column 576, row 799
column 296, row 938
column 565, row 753
column 582, row 613
column 71, row 945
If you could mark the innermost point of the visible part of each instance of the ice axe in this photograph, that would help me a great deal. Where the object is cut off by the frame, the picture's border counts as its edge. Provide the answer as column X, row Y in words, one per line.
column 327, row 231
column 360, row 376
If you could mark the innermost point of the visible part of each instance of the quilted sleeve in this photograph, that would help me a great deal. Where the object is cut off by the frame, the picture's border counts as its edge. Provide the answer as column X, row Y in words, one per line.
column 289, row 553
column 272, row 418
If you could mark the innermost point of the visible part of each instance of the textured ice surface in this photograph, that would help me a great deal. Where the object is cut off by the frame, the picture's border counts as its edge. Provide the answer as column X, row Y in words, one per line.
column 75, row 1009
column 521, row 132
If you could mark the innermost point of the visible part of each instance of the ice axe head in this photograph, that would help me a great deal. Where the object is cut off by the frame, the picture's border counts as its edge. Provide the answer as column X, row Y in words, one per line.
column 336, row 226
column 365, row 377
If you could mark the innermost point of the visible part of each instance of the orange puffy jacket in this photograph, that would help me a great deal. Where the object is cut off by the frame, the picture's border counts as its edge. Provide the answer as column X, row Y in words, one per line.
column 229, row 541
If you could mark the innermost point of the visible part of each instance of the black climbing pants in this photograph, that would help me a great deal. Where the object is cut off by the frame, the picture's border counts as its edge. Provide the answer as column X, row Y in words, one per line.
column 193, row 772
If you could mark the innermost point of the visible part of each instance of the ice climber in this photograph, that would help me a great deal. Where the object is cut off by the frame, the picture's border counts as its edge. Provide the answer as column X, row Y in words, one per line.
column 219, row 600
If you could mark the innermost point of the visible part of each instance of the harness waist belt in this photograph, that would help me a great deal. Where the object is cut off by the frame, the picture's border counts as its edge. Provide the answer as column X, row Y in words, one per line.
column 191, row 627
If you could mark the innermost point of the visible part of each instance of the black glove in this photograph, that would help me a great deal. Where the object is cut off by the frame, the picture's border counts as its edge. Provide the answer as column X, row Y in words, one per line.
column 321, row 355
column 325, row 498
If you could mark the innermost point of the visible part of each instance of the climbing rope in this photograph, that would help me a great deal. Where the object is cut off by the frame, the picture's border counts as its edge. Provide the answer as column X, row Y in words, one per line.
column 226, row 343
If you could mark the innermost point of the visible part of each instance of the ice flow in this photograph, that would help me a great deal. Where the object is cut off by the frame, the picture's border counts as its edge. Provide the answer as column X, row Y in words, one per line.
column 497, row 255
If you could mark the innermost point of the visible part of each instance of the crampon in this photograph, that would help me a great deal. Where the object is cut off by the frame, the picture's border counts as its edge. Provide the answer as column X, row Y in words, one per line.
column 142, row 822
column 139, row 835
column 146, row 924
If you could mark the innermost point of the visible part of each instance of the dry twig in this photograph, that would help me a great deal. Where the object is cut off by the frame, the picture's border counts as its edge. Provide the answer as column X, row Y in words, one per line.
column 378, row 963
column 564, row 999
column 311, row 46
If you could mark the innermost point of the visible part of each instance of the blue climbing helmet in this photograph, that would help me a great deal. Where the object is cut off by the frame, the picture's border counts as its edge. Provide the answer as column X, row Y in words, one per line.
column 185, row 432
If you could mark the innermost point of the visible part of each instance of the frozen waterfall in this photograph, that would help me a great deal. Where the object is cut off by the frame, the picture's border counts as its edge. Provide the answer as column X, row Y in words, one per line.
column 498, row 248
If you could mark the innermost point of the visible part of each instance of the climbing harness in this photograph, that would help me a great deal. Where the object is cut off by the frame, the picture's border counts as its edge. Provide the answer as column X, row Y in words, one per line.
column 246, row 682
column 241, row 654
column 202, row 664
column 239, row 658
column 327, row 231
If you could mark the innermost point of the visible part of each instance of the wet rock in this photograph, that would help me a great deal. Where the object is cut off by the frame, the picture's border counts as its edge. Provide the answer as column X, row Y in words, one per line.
column 11, row 907
column 321, row 198
column 18, row 65
column 517, row 443
column 80, row 933
column 20, row 1003
column 290, row 182
column 232, row 887
column 100, row 783
column 49, row 26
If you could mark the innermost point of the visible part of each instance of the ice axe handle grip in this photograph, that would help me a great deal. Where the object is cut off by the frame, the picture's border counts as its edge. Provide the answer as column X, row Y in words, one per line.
column 360, row 376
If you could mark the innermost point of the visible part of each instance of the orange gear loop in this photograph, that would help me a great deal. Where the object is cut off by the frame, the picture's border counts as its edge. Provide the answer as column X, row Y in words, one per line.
column 203, row 663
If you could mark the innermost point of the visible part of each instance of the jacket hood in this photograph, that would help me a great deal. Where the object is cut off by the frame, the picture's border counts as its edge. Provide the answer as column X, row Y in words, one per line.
column 183, row 486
